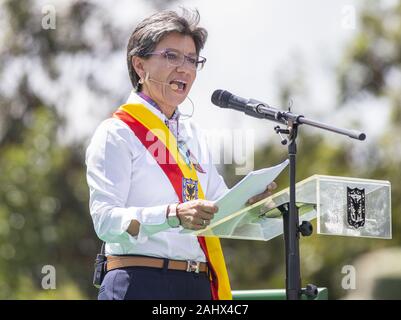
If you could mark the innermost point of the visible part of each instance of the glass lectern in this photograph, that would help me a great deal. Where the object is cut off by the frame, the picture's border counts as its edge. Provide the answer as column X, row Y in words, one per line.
column 343, row 206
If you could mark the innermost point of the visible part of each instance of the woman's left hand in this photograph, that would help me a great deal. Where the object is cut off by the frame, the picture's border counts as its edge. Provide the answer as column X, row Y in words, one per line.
column 268, row 192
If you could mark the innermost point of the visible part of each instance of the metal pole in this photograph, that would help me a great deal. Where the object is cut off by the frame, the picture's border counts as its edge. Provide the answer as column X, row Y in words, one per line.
column 293, row 271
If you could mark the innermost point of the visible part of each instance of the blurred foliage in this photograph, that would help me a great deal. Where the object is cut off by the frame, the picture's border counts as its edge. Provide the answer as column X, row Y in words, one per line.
column 370, row 69
column 43, row 209
column 44, row 218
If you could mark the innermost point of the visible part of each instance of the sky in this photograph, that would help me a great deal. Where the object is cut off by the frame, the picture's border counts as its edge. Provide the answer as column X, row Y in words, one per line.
column 258, row 44
column 255, row 45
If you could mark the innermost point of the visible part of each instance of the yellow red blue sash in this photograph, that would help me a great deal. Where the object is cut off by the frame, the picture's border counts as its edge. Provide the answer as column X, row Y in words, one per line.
column 150, row 130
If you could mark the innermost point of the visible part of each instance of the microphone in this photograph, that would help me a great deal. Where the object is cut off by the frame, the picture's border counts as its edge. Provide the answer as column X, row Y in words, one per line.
column 173, row 86
column 258, row 109
column 252, row 107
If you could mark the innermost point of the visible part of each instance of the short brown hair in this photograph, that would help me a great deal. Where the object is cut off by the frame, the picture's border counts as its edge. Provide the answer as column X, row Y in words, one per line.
column 150, row 32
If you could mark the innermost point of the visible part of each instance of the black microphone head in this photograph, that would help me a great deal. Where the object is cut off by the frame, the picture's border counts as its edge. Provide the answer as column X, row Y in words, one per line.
column 220, row 98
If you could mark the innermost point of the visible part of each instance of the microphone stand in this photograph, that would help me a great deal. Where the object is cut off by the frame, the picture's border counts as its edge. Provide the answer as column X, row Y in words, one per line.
column 292, row 229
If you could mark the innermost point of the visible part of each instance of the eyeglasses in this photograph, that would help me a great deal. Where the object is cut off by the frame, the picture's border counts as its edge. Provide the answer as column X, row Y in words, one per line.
column 176, row 59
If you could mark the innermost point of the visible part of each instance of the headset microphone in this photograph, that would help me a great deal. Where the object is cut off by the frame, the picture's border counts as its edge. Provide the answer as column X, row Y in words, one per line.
column 173, row 86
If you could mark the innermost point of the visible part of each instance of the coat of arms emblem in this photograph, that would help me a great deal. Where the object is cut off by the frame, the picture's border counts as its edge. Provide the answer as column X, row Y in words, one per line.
column 189, row 189
column 356, row 207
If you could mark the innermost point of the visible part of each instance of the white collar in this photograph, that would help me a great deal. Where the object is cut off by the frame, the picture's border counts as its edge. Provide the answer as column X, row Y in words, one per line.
column 135, row 98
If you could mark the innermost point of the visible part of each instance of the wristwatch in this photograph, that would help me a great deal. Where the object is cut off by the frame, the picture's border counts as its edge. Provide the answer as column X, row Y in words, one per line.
column 172, row 219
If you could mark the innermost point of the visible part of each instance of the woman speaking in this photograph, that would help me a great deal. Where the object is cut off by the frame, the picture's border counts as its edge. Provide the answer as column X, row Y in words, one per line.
column 151, row 175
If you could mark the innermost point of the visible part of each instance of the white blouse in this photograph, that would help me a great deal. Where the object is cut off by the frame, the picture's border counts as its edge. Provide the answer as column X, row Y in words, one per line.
column 126, row 183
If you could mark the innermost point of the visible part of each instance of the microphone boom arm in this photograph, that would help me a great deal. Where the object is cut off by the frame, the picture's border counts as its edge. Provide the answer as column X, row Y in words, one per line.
column 285, row 116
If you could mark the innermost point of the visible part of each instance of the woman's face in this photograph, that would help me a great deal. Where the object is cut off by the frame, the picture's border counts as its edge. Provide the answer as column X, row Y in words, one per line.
column 176, row 80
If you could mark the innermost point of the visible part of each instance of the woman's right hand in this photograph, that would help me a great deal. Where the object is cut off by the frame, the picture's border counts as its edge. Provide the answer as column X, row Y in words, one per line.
column 196, row 214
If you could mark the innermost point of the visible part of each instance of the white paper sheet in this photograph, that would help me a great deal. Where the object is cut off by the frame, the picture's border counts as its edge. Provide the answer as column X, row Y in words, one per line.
column 252, row 184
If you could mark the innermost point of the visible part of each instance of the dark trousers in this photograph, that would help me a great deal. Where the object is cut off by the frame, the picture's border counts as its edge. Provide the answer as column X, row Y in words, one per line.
column 146, row 283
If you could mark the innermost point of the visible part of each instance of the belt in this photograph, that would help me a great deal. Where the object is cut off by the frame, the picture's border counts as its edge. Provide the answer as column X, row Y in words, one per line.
column 115, row 262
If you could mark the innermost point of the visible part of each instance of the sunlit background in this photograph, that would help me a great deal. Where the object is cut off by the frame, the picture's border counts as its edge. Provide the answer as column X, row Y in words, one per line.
column 334, row 61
